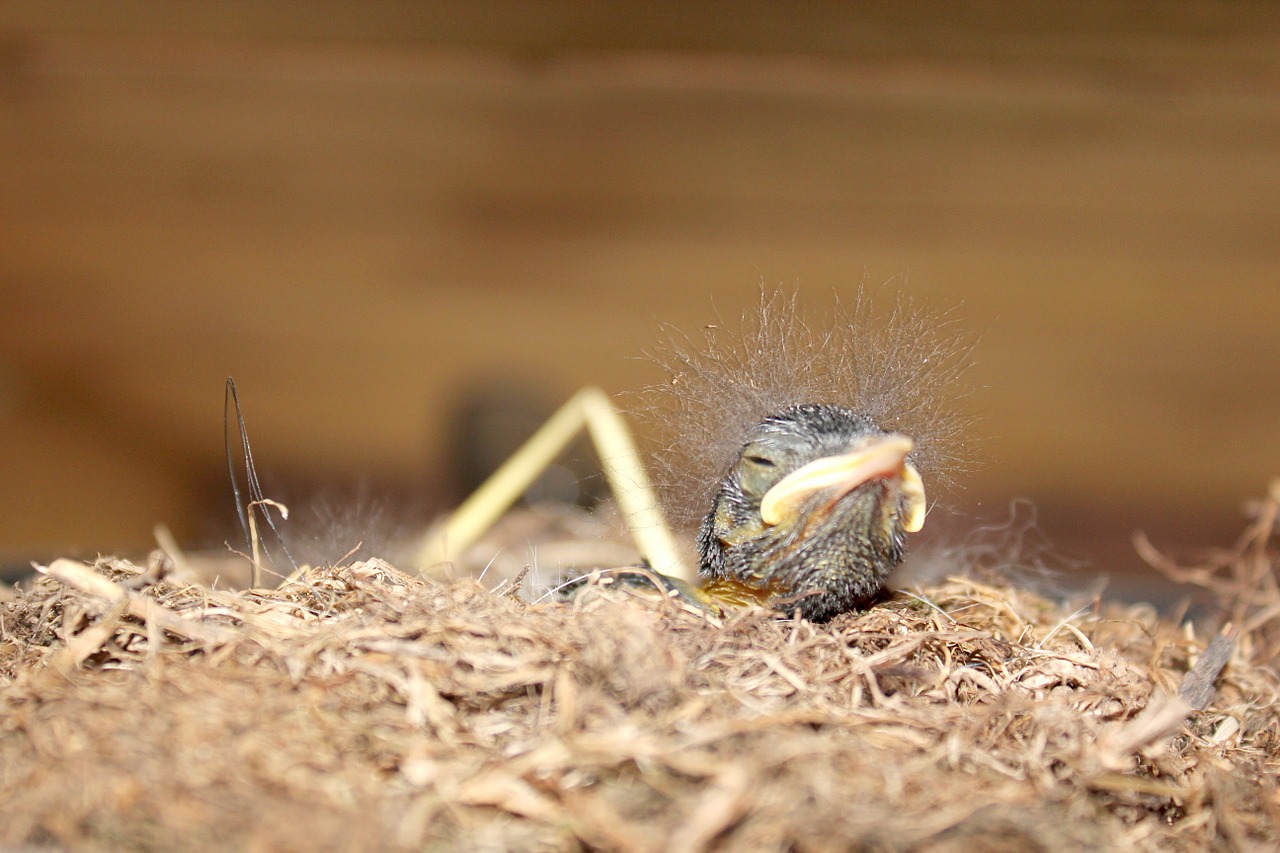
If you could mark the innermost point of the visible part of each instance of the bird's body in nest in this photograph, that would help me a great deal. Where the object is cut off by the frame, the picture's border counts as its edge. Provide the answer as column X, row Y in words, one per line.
column 800, row 450
column 823, row 438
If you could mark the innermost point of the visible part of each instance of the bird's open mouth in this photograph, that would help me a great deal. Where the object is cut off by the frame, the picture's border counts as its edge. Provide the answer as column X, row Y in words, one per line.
column 882, row 456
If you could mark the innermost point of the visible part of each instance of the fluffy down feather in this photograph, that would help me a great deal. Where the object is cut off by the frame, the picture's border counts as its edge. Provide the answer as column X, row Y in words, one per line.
column 902, row 367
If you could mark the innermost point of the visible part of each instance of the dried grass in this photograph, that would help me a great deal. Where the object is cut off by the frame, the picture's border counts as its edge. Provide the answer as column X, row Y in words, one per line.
column 358, row 708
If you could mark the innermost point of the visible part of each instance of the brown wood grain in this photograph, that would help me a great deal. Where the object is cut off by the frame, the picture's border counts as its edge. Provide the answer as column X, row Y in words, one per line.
column 360, row 210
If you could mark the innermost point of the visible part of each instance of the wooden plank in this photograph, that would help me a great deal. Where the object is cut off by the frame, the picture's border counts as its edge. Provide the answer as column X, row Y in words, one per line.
column 932, row 28
column 358, row 224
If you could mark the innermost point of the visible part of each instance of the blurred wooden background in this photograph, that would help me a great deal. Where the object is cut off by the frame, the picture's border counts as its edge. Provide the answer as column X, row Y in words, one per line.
column 360, row 209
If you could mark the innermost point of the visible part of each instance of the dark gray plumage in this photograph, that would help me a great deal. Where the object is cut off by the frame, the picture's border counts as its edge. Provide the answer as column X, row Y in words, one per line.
column 831, row 555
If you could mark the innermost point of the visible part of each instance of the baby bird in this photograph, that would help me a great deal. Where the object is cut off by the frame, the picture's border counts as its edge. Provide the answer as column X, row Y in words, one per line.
column 817, row 440
column 816, row 509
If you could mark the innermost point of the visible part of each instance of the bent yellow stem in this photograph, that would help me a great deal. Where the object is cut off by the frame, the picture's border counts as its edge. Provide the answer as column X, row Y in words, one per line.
column 624, row 471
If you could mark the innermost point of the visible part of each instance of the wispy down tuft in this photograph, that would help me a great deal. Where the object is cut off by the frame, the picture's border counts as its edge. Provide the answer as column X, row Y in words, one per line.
column 902, row 365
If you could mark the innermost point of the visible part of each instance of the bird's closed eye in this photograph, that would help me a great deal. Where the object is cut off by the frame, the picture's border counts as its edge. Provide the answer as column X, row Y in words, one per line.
column 761, row 461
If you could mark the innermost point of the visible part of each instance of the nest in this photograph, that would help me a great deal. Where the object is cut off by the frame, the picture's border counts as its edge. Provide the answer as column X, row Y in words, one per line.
column 359, row 708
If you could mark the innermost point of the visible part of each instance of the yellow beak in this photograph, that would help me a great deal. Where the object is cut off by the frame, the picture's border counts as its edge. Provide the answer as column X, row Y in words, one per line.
column 880, row 456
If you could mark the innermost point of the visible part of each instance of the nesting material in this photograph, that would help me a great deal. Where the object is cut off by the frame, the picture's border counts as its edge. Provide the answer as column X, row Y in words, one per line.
column 359, row 708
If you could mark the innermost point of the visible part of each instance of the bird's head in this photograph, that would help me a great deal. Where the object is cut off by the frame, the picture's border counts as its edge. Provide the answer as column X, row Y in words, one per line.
column 800, row 443
column 815, row 509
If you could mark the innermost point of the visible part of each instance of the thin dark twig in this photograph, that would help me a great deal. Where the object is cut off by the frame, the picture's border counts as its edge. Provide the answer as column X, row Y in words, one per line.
column 231, row 470
column 258, row 501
